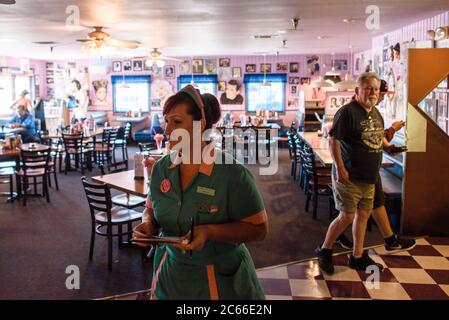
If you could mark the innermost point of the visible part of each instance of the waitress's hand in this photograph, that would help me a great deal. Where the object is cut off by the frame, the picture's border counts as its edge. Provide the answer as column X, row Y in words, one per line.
column 143, row 231
column 198, row 242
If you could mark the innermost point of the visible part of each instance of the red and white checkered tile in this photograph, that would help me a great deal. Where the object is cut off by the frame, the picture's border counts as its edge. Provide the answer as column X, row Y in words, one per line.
column 421, row 273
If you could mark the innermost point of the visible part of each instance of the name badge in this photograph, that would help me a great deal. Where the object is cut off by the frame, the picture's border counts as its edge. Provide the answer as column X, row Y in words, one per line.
column 206, row 191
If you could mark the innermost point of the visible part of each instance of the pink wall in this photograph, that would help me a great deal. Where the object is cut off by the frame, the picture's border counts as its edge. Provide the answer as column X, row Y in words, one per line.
column 37, row 65
column 236, row 61
column 416, row 30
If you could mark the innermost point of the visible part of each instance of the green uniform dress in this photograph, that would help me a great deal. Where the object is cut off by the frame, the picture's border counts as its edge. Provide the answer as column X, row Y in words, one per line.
column 220, row 193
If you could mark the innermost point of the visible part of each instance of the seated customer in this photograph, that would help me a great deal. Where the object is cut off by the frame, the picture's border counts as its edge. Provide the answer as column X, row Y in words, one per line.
column 23, row 119
column 155, row 127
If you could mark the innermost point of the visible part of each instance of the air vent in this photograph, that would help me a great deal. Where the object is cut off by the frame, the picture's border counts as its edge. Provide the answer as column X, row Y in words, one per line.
column 264, row 36
column 45, row 42
column 7, row 1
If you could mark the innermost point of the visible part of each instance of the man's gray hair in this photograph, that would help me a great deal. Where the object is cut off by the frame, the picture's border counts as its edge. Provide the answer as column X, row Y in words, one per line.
column 366, row 76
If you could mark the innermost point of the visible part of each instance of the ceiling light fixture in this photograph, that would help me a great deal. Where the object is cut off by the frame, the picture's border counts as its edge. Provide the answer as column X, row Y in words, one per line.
column 348, row 83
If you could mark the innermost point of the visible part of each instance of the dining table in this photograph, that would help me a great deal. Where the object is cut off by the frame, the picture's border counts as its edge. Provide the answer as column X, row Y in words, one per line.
column 320, row 146
column 124, row 181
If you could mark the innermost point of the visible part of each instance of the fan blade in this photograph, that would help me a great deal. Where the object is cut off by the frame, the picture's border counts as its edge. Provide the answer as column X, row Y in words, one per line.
column 123, row 43
column 84, row 40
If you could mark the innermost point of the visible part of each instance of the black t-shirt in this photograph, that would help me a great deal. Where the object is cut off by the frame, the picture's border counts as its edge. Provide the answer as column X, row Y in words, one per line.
column 237, row 100
column 361, row 134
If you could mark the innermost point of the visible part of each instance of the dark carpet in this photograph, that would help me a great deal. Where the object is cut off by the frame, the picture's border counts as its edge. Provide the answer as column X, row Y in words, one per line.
column 40, row 241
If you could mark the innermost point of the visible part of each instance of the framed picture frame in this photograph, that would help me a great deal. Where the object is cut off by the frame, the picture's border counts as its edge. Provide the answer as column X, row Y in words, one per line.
column 221, row 85
column 294, row 67
column 197, row 66
column 250, row 68
column 293, row 80
column 305, row 81
column 210, row 66
column 116, row 66
column 281, row 67
column 147, row 64
column 236, row 72
column 169, row 72
column 137, row 65
column 341, row 64
column 127, row 65
column 265, row 67
column 184, row 67
column 224, row 62
column 293, row 90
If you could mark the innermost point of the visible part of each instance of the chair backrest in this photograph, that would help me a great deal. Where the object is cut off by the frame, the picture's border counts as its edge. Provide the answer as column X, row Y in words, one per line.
column 73, row 142
column 308, row 158
column 98, row 197
column 127, row 131
column 147, row 146
column 109, row 137
column 35, row 160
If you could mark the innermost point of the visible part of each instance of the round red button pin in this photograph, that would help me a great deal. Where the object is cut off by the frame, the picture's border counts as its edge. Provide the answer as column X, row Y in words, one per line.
column 165, row 186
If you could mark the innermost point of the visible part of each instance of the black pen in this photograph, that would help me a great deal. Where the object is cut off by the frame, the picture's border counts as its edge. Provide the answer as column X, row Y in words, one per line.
column 192, row 225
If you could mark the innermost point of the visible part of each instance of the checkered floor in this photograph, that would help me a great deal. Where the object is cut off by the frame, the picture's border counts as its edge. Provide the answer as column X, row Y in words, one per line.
column 421, row 273
column 418, row 274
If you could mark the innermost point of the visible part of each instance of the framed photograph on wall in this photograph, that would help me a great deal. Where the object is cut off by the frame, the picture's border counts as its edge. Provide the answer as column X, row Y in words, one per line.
column 341, row 64
column 265, row 67
column 137, row 65
column 184, row 67
column 293, row 80
column 305, row 81
column 148, row 64
column 116, row 66
column 281, row 67
column 197, row 66
column 210, row 66
column 127, row 65
column 221, row 85
column 169, row 72
column 294, row 67
column 224, row 62
column 293, row 90
column 236, row 72
column 250, row 68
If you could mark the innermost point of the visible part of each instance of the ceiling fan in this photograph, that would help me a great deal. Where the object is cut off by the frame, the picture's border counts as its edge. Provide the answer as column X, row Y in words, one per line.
column 156, row 58
column 98, row 39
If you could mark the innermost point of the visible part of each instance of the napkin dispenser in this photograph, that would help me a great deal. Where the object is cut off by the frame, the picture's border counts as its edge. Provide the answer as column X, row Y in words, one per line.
column 138, row 166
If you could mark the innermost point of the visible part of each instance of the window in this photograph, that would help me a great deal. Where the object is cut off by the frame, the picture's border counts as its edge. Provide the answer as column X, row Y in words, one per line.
column 11, row 87
column 205, row 83
column 21, row 83
column 260, row 97
column 6, row 94
column 131, row 93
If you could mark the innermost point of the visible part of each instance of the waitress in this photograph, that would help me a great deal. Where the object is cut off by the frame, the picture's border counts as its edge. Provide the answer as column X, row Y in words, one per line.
column 224, row 203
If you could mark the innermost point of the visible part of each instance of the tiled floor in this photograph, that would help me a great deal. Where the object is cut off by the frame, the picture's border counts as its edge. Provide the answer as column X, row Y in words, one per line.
column 421, row 273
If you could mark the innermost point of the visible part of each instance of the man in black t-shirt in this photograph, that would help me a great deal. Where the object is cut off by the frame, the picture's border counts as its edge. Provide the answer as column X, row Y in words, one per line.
column 356, row 143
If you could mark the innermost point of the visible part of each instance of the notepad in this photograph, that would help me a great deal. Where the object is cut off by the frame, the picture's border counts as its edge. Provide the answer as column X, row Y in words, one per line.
column 156, row 239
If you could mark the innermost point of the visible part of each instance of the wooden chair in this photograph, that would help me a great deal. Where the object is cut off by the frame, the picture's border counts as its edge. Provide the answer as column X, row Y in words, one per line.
column 75, row 146
column 6, row 176
column 35, row 166
column 104, row 216
column 317, row 182
column 103, row 151
column 121, row 142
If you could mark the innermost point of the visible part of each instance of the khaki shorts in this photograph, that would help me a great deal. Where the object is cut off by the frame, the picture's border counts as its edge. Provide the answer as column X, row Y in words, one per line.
column 350, row 196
